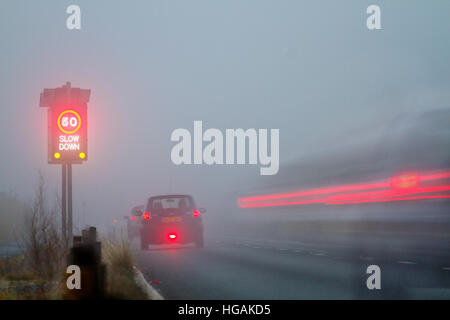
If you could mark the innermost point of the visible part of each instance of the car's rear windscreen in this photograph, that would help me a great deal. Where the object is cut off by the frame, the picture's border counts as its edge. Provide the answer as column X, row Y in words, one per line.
column 170, row 202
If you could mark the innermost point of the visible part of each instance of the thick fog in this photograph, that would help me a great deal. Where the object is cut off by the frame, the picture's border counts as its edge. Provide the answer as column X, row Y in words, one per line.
column 308, row 68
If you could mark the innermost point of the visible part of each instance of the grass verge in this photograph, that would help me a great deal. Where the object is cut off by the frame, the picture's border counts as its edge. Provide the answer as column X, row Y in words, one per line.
column 121, row 275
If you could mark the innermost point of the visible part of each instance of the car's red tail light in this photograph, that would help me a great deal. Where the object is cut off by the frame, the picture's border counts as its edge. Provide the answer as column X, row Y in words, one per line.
column 196, row 214
column 147, row 216
column 133, row 218
column 172, row 236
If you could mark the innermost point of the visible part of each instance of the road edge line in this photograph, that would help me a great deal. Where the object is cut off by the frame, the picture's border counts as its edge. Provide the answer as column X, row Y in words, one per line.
column 145, row 286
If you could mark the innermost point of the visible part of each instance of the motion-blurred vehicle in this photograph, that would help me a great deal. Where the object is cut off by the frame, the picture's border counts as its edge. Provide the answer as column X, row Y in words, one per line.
column 172, row 219
column 134, row 222
column 405, row 160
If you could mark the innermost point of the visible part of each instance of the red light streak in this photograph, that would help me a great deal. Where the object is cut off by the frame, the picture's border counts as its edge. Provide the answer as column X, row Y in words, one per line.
column 390, row 190
column 387, row 193
column 405, row 180
column 392, row 199
column 279, row 203
column 436, row 176
column 335, row 189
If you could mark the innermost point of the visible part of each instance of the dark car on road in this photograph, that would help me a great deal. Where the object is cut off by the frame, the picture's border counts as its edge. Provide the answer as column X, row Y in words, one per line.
column 172, row 219
column 133, row 222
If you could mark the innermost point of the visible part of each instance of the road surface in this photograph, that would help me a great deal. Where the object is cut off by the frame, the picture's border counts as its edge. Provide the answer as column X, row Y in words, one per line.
column 313, row 266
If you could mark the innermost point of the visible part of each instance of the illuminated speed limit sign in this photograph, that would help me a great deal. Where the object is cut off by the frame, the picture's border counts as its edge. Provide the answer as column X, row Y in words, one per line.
column 68, row 140
column 69, row 121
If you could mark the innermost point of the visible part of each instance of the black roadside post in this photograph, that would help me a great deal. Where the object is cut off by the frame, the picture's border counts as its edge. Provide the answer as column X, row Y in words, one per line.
column 86, row 253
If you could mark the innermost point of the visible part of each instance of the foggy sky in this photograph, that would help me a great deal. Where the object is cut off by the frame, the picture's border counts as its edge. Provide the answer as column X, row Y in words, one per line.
column 310, row 68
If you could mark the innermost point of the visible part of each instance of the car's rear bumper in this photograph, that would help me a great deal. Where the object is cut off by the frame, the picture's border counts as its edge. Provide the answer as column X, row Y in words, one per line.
column 159, row 233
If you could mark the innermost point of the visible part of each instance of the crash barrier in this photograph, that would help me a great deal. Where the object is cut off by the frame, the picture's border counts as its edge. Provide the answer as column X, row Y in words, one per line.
column 86, row 254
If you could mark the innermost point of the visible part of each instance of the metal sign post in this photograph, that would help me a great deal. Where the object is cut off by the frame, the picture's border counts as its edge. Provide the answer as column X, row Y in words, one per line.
column 63, row 200
column 67, row 140
column 69, row 203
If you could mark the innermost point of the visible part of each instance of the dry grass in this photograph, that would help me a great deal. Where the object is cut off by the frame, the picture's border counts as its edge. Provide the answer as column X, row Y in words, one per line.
column 120, row 278
column 45, row 247
column 17, row 282
column 38, row 271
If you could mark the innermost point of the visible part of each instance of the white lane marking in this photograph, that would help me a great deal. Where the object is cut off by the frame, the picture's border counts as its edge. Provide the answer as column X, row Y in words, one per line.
column 297, row 250
column 446, row 268
column 256, row 247
column 406, row 262
column 151, row 292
